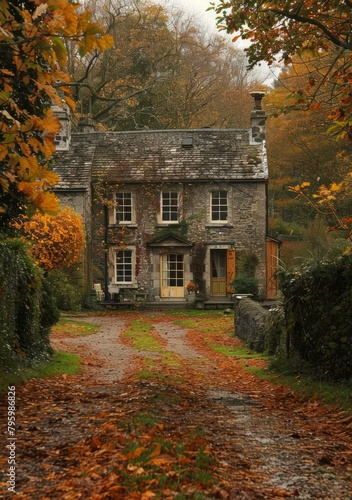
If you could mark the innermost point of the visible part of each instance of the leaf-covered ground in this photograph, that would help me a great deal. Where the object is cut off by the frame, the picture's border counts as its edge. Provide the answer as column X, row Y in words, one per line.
column 165, row 410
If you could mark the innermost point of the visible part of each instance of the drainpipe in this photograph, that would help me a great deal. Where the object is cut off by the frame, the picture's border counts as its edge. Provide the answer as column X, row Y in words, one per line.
column 267, row 207
column 106, row 257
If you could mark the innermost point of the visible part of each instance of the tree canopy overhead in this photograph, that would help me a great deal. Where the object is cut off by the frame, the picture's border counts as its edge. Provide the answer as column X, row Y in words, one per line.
column 281, row 30
column 33, row 73
column 163, row 71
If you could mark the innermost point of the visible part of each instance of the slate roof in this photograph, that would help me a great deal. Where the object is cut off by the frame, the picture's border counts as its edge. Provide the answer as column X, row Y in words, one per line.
column 75, row 165
column 156, row 156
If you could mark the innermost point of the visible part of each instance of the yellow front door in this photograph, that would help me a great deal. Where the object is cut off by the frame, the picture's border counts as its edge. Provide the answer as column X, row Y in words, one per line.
column 222, row 271
column 172, row 280
column 218, row 272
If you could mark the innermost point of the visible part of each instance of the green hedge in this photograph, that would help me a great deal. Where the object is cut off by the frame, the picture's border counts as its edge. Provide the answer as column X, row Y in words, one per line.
column 26, row 312
column 318, row 314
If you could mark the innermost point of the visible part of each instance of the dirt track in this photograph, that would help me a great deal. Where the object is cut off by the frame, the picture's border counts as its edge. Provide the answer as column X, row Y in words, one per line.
column 257, row 439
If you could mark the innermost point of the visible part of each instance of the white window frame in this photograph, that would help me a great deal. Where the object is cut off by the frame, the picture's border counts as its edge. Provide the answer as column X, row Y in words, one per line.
column 131, row 264
column 172, row 270
column 219, row 207
column 169, row 207
column 116, row 211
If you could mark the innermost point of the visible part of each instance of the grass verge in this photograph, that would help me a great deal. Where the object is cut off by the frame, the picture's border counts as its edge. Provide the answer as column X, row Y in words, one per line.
column 240, row 352
column 336, row 394
column 140, row 336
column 72, row 327
column 61, row 363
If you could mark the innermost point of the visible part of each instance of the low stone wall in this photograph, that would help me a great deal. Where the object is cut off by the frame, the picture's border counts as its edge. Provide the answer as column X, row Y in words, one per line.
column 251, row 322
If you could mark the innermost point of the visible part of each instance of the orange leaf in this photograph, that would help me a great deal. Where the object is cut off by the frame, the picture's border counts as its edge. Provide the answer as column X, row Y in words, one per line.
column 51, row 124
column 156, row 451
column 148, row 494
column 136, row 453
column 162, row 460
column 285, row 493
column 315, row 107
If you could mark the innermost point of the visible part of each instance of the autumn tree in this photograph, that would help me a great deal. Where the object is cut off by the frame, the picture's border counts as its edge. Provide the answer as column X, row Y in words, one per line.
column 299, row 149
column 33, row 76
column 281, row 30
column 164, row 71
column 56, row 240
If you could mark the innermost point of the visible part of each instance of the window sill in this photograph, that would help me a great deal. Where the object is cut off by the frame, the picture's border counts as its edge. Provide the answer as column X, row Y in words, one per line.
column 219, row 224
column 167, row 224
column 131, row 286
column 132, row 225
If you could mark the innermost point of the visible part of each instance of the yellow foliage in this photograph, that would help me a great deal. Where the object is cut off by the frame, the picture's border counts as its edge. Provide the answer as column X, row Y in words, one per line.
column 336, row 187
column 56, row 240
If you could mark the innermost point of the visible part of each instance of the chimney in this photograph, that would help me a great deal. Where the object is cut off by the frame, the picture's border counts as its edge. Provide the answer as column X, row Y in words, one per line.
column 63, row 139
column 86, row 125
column 257, row 120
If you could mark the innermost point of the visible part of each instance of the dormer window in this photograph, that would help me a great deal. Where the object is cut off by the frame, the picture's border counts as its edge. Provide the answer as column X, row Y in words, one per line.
column 187, row 142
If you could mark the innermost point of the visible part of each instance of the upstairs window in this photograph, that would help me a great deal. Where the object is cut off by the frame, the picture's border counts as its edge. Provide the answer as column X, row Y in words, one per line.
column 124, row 208
column 219, row 207
column 169, row 206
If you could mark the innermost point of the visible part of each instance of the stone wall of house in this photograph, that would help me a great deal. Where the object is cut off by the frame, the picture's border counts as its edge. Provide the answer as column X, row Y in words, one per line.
column 245, row 229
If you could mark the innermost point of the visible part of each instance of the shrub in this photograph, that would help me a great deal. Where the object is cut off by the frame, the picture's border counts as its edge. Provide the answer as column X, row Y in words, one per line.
column 66, row 294
column 56, row 240
column 24, row 331
column 246, row 284
column 283, row 227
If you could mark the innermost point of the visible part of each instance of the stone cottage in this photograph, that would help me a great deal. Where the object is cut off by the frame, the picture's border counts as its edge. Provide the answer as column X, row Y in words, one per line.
column 169, row 210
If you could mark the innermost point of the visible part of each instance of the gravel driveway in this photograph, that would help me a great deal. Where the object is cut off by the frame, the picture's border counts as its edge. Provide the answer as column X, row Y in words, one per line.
column 279, row 446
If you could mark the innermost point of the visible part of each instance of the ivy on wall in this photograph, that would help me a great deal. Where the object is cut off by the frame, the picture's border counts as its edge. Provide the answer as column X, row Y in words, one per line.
column 173, row 230
column 198, row 267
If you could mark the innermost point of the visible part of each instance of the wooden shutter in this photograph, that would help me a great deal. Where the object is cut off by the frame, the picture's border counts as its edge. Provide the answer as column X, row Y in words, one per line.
column 272, row 257
column 230, row 269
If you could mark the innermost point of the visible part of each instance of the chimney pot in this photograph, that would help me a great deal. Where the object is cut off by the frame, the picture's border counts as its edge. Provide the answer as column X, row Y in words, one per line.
column 257, row 96
column 86, row 124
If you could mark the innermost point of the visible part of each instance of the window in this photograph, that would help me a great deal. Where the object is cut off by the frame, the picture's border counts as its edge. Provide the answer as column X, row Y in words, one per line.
column 169, row 206
column 219, row 206
column 124, row 266
column 172, row 270
column 123, row 207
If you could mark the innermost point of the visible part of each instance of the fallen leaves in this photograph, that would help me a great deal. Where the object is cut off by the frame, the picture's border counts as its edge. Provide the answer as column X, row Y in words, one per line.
column 158, row 438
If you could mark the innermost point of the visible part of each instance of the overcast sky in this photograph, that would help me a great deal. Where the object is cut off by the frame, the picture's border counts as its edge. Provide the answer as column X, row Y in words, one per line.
column 198, row 8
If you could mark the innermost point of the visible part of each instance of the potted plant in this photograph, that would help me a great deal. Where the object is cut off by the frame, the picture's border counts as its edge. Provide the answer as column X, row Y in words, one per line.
column 191, row 287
